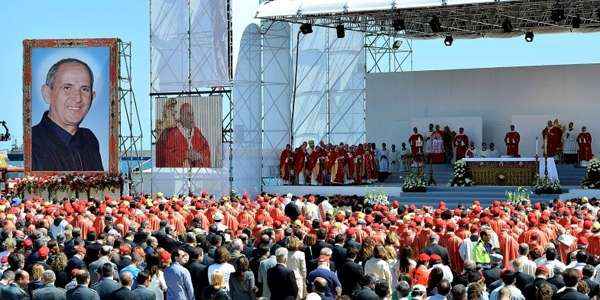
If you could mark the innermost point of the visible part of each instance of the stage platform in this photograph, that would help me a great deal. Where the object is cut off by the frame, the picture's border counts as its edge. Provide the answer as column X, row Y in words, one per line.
column 451, row 195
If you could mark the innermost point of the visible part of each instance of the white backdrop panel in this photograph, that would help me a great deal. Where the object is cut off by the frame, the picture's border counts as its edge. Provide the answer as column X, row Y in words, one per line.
column 276, row 94
column 247, row 133
column 473, row 127
column 569, row 92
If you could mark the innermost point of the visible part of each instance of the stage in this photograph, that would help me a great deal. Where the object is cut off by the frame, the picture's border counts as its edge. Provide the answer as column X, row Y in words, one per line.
column 451, row 195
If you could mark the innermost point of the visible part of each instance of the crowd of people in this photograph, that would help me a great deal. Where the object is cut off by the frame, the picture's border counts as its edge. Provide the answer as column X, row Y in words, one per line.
column 287, row 247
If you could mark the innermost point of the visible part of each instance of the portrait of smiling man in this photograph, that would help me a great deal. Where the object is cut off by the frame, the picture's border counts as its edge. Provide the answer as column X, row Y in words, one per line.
column 58, row 142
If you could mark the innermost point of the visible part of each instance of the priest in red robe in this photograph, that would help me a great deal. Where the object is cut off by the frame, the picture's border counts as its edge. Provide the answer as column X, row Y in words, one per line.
column 553, row 138
column 512, row 140
column 584, row 139
column 509, row 247
column 337, row 169
column 184, row 145
column 416, row 143
column 461, row 143
column 452, row 242
column 300, row 163
column 286, row 161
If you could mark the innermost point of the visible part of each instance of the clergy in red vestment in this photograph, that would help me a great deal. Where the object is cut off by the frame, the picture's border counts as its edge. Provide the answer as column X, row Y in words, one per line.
column 584, row 139
column 512, row 140
column 300, row 163
column 183, row 145
column 314, row 166
column 359, row 164
column 461, row 143
column 285, row 163
column 416, row 142
column 337, row 169
column 509, row 247
column 452, row 243
column 553, row 138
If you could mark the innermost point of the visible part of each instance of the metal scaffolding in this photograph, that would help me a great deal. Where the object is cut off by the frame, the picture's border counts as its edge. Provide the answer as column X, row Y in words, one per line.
column 131, row 136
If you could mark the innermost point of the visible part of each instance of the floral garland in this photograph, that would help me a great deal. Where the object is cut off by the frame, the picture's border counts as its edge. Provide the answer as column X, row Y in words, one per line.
column 545, row 185
column 592, row 176
column 461, row 175
column 414, row 183
column 67, row 182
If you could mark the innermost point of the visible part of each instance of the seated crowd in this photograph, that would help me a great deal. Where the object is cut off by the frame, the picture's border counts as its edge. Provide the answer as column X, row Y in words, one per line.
column 286, row 247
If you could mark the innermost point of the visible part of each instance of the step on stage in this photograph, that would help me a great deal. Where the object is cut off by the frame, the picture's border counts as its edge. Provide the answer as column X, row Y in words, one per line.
column 451, row 195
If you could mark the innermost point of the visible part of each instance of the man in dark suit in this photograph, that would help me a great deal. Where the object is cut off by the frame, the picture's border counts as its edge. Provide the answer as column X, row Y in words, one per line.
column 198, row 271
column 435, row 248
column 588, row 274
column 49, row 291
column 142, row 292
column 106, row 285
column 9, row 289
column 339, row 252
column 350, row 273
column 492, row 273
column 281, row 280
column 571, row 277
column 523, row 280
column 82, row 291
column 366, row 292
column 320, row 244
column 541, row 275
column 124, row 292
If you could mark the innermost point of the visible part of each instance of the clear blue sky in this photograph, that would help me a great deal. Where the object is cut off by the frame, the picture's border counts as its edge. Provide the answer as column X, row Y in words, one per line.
column 129, row 20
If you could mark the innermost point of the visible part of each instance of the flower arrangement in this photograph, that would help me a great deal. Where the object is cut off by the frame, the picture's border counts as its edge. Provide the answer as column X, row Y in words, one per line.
column 545, row 185
column 374, row 197
column 592, row 176
column 461, row 175
column 67, row 182
column 518, row 196
column 414, row 183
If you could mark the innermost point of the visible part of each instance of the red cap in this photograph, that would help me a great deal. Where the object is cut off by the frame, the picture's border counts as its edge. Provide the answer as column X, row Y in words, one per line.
column 27, row 243
column 423, row 257
column 587, row 224
column 541, row 268
column 43, row 251
column 165, row 256
column 435, row 258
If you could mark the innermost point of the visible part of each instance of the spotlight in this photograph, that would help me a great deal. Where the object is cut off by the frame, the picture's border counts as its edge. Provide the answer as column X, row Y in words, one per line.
column 557, row 14
column 397, row 44
column 529, row 36
column 576, row 21
column 448, row 41
column 306, row 28
column 398, row 24
column 507, row 26
column 341, row 32
column 435, row 24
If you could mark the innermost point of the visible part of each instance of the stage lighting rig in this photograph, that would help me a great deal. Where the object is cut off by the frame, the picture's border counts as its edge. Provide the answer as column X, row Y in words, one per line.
column 558, row 13
column 340, row 31
column 435, row 24
column 507, row 26
column 576, row 21
column 6, row 135
column 306, row 28
column 448, row 41
column 529, row 36
column 398, row 24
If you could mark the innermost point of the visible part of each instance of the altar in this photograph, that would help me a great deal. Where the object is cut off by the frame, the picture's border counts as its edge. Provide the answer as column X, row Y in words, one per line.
column 510, row 171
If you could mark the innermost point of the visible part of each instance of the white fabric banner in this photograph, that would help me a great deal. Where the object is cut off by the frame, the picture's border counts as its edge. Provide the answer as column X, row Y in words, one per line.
column 172, row 65
column 247, row 129
column 276, row 94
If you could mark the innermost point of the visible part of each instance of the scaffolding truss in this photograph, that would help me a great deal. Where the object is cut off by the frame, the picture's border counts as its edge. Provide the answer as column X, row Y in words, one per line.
column 131, row 136
column 388, row 53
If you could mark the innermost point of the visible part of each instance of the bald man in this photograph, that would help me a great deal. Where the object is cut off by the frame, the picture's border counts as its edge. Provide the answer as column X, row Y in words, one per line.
column 184, row 145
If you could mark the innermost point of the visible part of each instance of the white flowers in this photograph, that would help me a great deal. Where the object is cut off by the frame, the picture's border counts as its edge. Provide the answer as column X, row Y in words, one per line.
column 460, row 174
column 376, row 197
column 414, row 183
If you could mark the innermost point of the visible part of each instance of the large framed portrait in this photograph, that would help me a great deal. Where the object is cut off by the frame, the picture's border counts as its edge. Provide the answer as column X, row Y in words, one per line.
column 70, row 106
column 189, row 132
